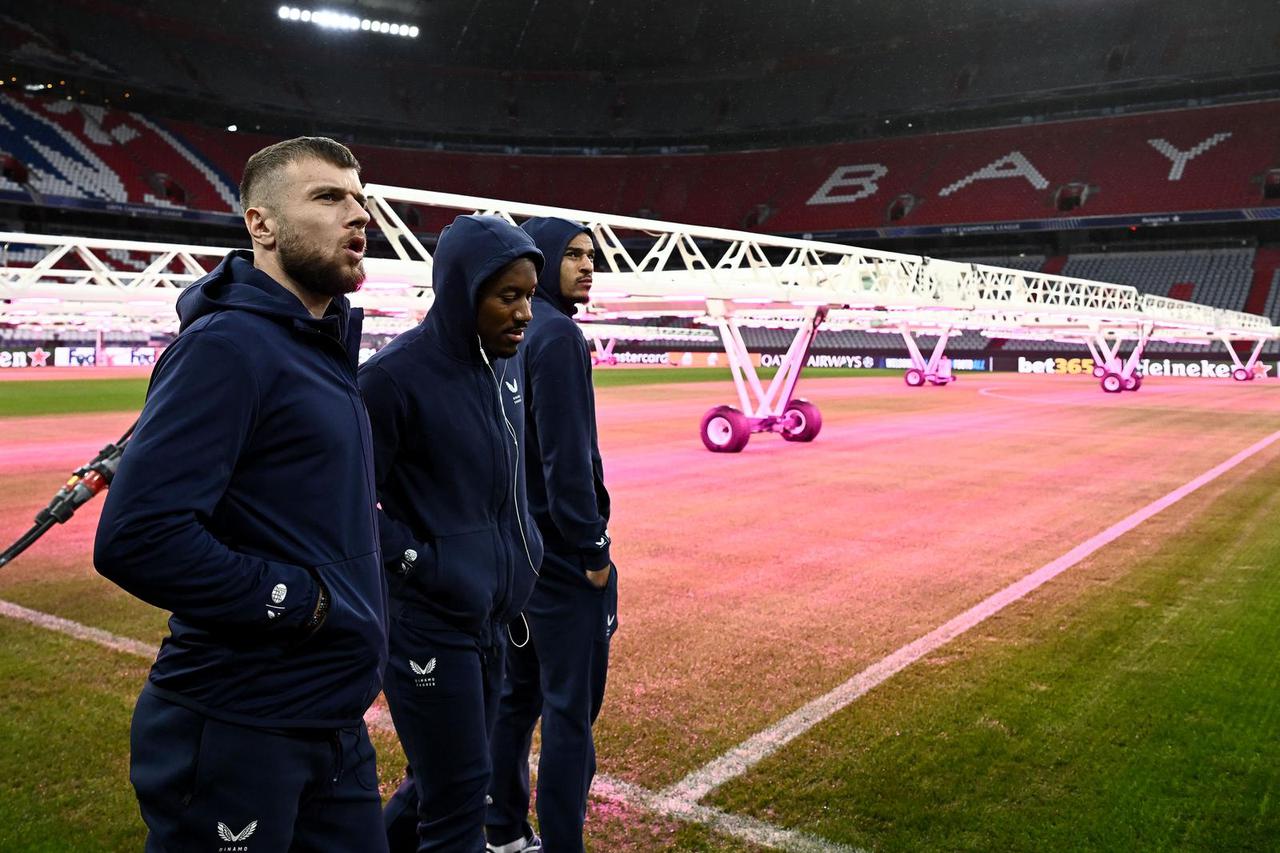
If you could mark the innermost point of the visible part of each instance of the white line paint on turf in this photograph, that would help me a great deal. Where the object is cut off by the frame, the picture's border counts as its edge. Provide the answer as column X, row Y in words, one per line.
column 378, row 719
column 75, row 629
column 738, row 760
column 745, row 828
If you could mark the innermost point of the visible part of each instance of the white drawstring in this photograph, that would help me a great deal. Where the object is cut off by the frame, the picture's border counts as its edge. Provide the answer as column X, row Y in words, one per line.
column 528, row 635
column 515, row 473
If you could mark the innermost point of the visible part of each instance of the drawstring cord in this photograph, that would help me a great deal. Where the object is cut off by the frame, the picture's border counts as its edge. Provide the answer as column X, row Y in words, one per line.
column 528, row 635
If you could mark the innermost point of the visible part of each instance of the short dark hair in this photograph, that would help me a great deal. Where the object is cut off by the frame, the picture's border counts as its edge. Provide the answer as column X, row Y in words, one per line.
column 265, row 165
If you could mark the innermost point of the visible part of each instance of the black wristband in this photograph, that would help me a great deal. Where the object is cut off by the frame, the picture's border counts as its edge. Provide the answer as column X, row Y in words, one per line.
column 322, row 608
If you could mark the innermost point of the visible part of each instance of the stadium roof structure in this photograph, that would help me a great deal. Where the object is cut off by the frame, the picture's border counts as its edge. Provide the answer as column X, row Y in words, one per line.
column 720, row 279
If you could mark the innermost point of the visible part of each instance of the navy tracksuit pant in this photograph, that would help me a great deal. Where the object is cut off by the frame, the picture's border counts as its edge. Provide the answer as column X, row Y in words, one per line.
column 559, row 675
column 206, row 785
column 442, row 687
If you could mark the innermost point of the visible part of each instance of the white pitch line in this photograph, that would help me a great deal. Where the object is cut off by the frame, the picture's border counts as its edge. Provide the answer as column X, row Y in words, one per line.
column 75, row 629
column 746, row 828
column 377, row 719
column 740, row 758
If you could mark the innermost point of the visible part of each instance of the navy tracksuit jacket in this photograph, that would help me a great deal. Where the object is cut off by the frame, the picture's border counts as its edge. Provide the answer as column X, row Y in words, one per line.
column 560, row 674
column 448, row 431
column 249, row 481
column 566, row 477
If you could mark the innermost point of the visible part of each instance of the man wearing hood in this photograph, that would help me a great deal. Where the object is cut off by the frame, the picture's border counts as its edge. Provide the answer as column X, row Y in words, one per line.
column 462, row 550
column 572, row 614
column 244, row 504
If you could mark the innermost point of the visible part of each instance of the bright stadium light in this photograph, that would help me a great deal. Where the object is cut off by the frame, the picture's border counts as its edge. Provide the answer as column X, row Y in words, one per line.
column 329, row 19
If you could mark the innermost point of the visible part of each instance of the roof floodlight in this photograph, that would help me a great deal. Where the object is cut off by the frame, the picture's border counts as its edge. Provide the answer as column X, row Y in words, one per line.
column 334, row 20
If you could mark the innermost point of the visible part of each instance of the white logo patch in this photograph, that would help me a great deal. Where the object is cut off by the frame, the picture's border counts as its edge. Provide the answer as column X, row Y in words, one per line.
column 422, row 670
column 278, row 592
column 422, row 673
column 512, row 386
column 225, row 833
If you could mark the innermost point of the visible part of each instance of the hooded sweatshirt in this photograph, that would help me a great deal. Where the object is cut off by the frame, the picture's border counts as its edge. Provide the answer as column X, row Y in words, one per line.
column 448, row 435
column 248, row 479
column 566, row 477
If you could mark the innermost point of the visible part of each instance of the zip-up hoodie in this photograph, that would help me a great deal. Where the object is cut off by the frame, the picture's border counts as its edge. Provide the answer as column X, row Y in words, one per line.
column 250, row 477
column 566, row 477
column 448, row 435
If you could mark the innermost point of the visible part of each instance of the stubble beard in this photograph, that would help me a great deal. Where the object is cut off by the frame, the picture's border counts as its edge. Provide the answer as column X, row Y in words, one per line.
column 311, row 269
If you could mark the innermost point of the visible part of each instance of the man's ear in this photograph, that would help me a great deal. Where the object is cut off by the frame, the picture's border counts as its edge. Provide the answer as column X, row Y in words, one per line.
column 261, row 226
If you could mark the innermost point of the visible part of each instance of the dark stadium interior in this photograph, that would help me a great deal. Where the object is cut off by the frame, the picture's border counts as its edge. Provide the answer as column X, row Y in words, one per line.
column 729, row 113
column 713, row 73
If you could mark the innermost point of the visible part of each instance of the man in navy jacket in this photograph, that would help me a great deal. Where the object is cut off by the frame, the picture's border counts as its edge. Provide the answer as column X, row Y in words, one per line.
column 463, row 552
column 244, row 504
column 572, row 614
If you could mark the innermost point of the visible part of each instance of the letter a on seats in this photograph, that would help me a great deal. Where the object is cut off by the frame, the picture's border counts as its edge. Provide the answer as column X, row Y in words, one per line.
column 1012, row 165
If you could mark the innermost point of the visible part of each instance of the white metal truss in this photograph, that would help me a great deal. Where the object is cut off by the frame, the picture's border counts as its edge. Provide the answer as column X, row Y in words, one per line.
column 936, row 369
column 1243, row 371
column 77, row 282
column 721, row 278
column 729, row 278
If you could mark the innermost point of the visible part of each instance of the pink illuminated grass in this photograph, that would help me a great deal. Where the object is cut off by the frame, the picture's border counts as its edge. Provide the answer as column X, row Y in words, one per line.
column 752, row 583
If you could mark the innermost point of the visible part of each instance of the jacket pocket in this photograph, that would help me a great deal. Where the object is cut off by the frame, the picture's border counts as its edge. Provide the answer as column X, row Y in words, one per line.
column 340, row 665
column 463, row 582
